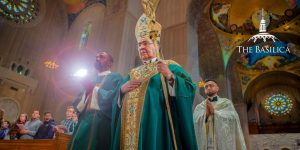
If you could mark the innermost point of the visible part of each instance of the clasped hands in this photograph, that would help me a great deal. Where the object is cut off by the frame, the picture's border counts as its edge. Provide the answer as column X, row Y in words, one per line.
column 162, row 67
column 209, row 109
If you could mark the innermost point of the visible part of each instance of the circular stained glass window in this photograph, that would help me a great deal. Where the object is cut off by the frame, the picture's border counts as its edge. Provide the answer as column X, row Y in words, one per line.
column 278, row 104
column 19, row 11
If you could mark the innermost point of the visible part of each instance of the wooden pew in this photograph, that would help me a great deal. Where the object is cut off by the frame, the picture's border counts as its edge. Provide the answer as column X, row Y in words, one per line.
column 59, row 143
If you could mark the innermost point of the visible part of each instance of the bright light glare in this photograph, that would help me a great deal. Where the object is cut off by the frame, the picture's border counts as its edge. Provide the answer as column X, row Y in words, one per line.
column 80, row 73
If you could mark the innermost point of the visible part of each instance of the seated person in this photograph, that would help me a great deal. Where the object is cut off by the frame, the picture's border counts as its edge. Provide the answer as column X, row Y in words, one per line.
column 29, row 130
column 15, row 130
column 67, row 125
column 46, row 130
column 4, row 130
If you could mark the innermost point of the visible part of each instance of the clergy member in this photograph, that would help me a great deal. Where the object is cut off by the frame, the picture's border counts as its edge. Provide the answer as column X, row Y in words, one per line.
column 217, row 124
column 93, row 130
column 156, row 99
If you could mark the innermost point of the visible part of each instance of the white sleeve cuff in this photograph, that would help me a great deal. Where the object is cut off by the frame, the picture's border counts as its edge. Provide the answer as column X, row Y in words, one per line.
column 171, row 88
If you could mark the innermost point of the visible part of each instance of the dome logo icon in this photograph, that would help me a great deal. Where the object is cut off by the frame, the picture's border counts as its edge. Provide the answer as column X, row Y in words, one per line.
column 264, row 43
column 263, row 34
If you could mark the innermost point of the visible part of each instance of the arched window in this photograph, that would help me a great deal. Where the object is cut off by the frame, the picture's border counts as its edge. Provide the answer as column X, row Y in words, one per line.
column 21, row 11
column 13, row 66
column 278, row 104
column 20, row 69
column 27, row 72
column 85, row 35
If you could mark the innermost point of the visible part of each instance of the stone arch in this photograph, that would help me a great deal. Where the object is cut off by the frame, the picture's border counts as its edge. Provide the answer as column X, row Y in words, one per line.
column 234, row 83
column 274, row 77
column 93, row 14
column 64, row 88
column 209, row 51
column 12, row 108
column 260, row 120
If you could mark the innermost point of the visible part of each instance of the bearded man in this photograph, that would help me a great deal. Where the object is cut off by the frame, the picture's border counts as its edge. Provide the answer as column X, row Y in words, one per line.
column 217, row 124
column 93, row 130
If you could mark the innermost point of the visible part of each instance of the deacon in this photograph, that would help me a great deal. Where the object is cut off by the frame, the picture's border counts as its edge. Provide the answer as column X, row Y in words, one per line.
column 217, row 124
column 93, row 130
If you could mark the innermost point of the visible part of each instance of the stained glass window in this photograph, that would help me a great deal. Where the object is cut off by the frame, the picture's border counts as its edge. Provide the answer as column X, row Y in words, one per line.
column 85, row 35
column 19, row 11
column 278, row 104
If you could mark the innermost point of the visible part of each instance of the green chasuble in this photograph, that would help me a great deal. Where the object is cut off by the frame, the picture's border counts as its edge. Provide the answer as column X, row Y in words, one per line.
column 143, row 121
column 93, row 130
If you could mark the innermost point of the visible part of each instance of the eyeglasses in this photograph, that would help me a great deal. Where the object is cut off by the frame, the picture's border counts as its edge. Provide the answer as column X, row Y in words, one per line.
column 144, row 43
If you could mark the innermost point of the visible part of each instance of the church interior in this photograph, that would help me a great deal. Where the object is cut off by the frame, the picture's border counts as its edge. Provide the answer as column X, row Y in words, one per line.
column 44, row 43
